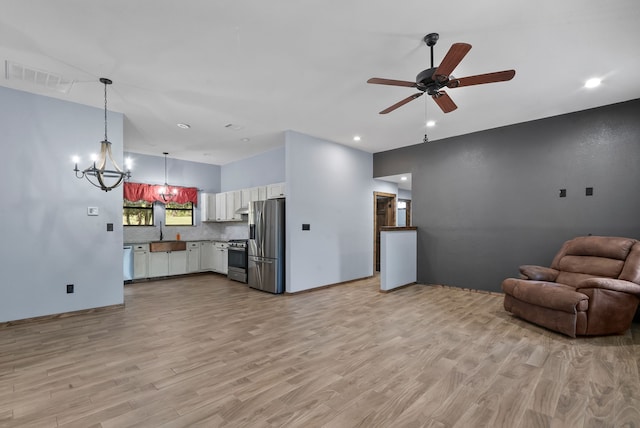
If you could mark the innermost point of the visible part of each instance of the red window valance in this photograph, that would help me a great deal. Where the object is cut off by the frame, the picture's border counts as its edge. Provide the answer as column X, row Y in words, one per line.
column 151, row 193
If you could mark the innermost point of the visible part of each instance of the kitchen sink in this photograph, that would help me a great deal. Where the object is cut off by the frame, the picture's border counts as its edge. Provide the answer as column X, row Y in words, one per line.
column 163, row 246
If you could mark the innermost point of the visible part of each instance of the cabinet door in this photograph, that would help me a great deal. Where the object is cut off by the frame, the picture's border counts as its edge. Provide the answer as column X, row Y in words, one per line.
column 177, row 262
column 207, row 256
column 221, row 207
column 234, row 202
column 208, row 207
column 275, row 190
column 158, row 264
column 140, row 264
column 217, row 259
column 225, row 261
column 193, row 257
column 245, row 198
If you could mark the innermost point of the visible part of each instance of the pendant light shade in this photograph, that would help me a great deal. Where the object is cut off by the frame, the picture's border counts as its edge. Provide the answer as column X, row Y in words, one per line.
column 99, row 174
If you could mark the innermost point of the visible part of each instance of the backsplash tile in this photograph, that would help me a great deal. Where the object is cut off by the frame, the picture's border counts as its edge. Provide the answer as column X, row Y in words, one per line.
column 203, row 231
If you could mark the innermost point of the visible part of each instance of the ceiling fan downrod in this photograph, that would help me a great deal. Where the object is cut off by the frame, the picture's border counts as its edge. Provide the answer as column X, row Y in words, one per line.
column 431, row 39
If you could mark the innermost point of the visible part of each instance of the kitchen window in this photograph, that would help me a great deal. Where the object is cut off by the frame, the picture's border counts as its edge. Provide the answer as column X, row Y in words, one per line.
column 137, row 213
column 178, row 214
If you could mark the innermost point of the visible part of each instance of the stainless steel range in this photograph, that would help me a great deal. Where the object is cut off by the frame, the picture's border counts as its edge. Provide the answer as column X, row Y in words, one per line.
column 238, row 260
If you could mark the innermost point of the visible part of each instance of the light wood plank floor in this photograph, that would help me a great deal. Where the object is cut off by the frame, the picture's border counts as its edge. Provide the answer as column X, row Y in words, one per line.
column 203, row 351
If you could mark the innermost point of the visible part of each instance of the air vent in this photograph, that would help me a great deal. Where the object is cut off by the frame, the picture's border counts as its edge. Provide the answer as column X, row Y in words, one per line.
column 54, row 82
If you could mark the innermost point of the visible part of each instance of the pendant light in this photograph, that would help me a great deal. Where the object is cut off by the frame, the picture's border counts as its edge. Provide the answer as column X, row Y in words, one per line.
column 97, row 173
column 166, row 192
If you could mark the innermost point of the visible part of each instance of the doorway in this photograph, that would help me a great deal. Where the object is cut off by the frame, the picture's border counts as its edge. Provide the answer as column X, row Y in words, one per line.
column 384, row 214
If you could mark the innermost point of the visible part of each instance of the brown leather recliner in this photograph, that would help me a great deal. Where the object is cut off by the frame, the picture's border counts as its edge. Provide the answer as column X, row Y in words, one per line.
column 591, row 288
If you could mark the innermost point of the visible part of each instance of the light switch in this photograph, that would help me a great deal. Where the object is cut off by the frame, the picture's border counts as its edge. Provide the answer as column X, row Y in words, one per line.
column 93, row 211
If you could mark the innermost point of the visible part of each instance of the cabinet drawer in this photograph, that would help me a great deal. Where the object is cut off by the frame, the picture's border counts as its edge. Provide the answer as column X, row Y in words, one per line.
column 141, row 247
column 193, row 245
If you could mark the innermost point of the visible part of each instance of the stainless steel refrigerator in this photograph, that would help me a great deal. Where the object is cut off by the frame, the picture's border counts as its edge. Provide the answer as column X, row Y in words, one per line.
column 266, row 245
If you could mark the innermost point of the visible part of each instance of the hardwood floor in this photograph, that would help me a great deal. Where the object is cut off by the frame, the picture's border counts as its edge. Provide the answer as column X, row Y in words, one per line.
column 203, row 351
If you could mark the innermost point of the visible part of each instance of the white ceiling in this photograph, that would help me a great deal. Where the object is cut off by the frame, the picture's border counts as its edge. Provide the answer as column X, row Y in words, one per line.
column 269, row 66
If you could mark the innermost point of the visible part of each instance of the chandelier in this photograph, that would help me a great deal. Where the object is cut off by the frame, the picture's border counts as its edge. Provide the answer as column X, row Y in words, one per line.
column 98, row 174
column 166, row 192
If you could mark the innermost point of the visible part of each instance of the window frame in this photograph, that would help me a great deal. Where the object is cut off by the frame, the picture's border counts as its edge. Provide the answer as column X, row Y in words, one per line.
column 168, row 208
column 150, row 207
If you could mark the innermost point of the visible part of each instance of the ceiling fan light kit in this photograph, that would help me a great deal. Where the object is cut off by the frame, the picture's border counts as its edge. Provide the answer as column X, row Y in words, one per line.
column 433, row 79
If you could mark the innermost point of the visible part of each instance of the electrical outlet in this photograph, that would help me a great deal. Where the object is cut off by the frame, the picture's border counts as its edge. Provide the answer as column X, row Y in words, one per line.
column 563, row 193
column 588, row 191
column 69, row 288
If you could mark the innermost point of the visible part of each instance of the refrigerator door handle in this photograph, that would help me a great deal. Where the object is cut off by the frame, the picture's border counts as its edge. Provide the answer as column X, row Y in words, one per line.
column 263, row 261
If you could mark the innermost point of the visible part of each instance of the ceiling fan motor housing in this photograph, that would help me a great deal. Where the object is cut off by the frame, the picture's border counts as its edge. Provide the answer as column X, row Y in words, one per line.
column 426, row 83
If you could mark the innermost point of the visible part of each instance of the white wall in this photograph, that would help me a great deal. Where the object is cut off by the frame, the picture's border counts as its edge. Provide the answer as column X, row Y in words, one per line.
column 329, row 186
column 259, row 170
column 48, row 240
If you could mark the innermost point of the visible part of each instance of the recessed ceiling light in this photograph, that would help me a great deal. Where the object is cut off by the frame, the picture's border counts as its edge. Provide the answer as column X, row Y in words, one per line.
column 356, row 138
column 233, row 126
column 184, row 125
column 592, row 83
column 403, row 178
column 431, row 123
column 245, row 140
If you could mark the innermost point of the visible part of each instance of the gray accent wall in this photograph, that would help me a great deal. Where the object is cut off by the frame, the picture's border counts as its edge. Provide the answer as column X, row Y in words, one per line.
column 48, row 240
column 487, row 202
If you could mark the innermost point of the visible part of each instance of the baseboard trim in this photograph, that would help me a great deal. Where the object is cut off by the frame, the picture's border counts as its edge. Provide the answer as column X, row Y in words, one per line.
column 322, row 287
column 397, row 288
column 474, row 290
column 61, row 315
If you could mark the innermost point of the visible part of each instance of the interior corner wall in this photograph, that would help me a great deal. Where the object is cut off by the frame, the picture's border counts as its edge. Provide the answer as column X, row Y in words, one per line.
column 329, row 187
column 259, row 170
column 487, row 202
column 48, row 240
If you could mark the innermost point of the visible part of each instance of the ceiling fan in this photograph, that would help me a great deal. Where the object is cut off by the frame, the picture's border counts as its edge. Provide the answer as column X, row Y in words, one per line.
column 433, row 79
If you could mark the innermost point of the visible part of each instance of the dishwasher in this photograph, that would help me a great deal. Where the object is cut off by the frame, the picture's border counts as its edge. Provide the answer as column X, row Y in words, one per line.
column 127, row 262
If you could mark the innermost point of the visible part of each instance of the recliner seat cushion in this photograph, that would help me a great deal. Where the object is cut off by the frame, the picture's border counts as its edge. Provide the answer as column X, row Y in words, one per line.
column 550, row 295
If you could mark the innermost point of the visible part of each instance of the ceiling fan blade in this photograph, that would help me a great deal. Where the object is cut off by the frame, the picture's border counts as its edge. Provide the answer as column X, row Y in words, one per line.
column 391, row 82
column 444, row 101
column 457, row 51
column 401, row 103
column 498, row 76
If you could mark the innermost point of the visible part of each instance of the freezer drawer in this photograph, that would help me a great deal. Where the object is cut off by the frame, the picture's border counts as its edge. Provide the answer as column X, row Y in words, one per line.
column 266, row 274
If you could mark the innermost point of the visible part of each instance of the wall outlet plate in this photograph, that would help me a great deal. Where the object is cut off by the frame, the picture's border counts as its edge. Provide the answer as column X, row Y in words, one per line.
column 93, row 211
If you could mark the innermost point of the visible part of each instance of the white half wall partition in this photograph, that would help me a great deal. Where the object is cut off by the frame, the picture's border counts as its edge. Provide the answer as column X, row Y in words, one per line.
column 398, row 257
column 329, row 188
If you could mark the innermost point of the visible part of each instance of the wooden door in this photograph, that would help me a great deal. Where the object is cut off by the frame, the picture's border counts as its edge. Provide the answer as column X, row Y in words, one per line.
column 384, row 212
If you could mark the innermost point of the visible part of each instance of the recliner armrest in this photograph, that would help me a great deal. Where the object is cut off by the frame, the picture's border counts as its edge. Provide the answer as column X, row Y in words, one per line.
column 610, row 284
column 538, row 273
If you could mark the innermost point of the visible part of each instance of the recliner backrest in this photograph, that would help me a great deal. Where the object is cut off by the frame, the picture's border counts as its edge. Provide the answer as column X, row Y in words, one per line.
column 595, row 256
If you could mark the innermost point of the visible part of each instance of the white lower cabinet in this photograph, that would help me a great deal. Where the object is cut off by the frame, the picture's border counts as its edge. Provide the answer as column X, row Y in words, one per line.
column 158, row 264
column 220, row 257
column 193, row 257
column 177, row 262
column 166, row 263
column 207, row 256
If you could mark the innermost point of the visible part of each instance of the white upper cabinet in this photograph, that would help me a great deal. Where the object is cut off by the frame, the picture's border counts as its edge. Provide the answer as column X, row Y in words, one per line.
column 275, row 190
column 223, row 206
